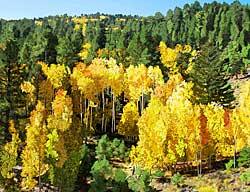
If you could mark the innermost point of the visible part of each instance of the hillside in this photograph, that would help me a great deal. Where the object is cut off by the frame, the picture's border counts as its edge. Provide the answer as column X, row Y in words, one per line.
column 173, row 88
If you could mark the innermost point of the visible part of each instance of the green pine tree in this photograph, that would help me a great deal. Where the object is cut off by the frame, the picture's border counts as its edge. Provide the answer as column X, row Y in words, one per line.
column 210, row 81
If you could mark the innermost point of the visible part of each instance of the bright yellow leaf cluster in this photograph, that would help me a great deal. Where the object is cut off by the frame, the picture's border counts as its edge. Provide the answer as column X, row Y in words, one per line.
column 55, row 73
column 9, row 153
column 33, row 155
column 27, row 87
column 85, row 51
column 128, row 123
column 173, row 129
column 169, row 56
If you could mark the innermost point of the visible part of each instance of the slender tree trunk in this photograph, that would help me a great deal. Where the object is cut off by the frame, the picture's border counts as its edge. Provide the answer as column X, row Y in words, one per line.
column 142, row 102
column 103, row 109
column 200, row 162
column 197, row 165
column 91, row 117
column 81, row 110
column 235, row 152
column 113, row 114
column 39, row 170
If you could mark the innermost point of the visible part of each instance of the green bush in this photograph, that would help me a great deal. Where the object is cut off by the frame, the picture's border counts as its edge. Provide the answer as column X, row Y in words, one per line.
column 141, row 181
column 105, row 178
column 65, row 178
column 245, row 177
column 120, row 181
column 111, row 149
column 103, row 148
column 177, row 179
column 158, row 174
column 244, row 158
column 101, row 172
column 229, row 164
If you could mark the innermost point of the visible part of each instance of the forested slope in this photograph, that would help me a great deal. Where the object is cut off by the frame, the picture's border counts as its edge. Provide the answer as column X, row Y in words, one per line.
column 63, row 78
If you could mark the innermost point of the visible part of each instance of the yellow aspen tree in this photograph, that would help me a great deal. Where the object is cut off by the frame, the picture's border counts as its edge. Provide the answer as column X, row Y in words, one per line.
column 150, row 150
column 166, row 129
column 82, row 81
column 33, row 155
column 46, row 93
column 155, row 75
column 60, row 120
column 239, row 121
column 28, row 88
column 193, row 132
column 237, row 136
column 181, row 110
column 169, row 57
column 244, row 110
column 128, row 123
column 116, row 83
column 165, row 90
column 85, row 51
column 99, row 74
column 55, row 73
column 9, row 154
column 138, row 83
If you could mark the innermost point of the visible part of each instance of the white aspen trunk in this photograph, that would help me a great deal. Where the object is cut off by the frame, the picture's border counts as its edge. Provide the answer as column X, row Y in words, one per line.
column 197, row 164
column 142, row 102
column 113, row 113
column 81, row 109
column 235, row 151
column 103, row 109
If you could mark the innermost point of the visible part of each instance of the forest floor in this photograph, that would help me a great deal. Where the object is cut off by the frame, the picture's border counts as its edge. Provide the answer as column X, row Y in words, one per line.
column 212, row 181
column 217, row 179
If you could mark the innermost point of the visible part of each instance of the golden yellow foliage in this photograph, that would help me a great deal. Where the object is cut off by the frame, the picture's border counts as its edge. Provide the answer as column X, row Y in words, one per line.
column 127, row 125
column 60, row 122
column 9, row 153
column 137, row 81
column 39, row 23
column 169, row 56
column 27, row 87
column 85, row 51
column 55, row 73
column 33, row 155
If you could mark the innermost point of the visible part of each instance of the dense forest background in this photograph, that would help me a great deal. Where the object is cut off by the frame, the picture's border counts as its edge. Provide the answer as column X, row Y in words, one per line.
column 131, row 40
column 37, row 57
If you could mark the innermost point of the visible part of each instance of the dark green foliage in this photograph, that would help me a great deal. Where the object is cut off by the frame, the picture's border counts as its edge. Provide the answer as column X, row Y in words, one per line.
column 101, row 172
column 65, row 178
column 177, row 179
column 244, row 158
column 67, row 49
column 105, row 177
column 120, row 183
column 11, row 76
column 233, row 58
column 158, row 174
column 119, row 149
column 245, row 177
column 229, row 164
column 103, row 149
column 111, row 149
column 209, row 78
column 140, row 181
